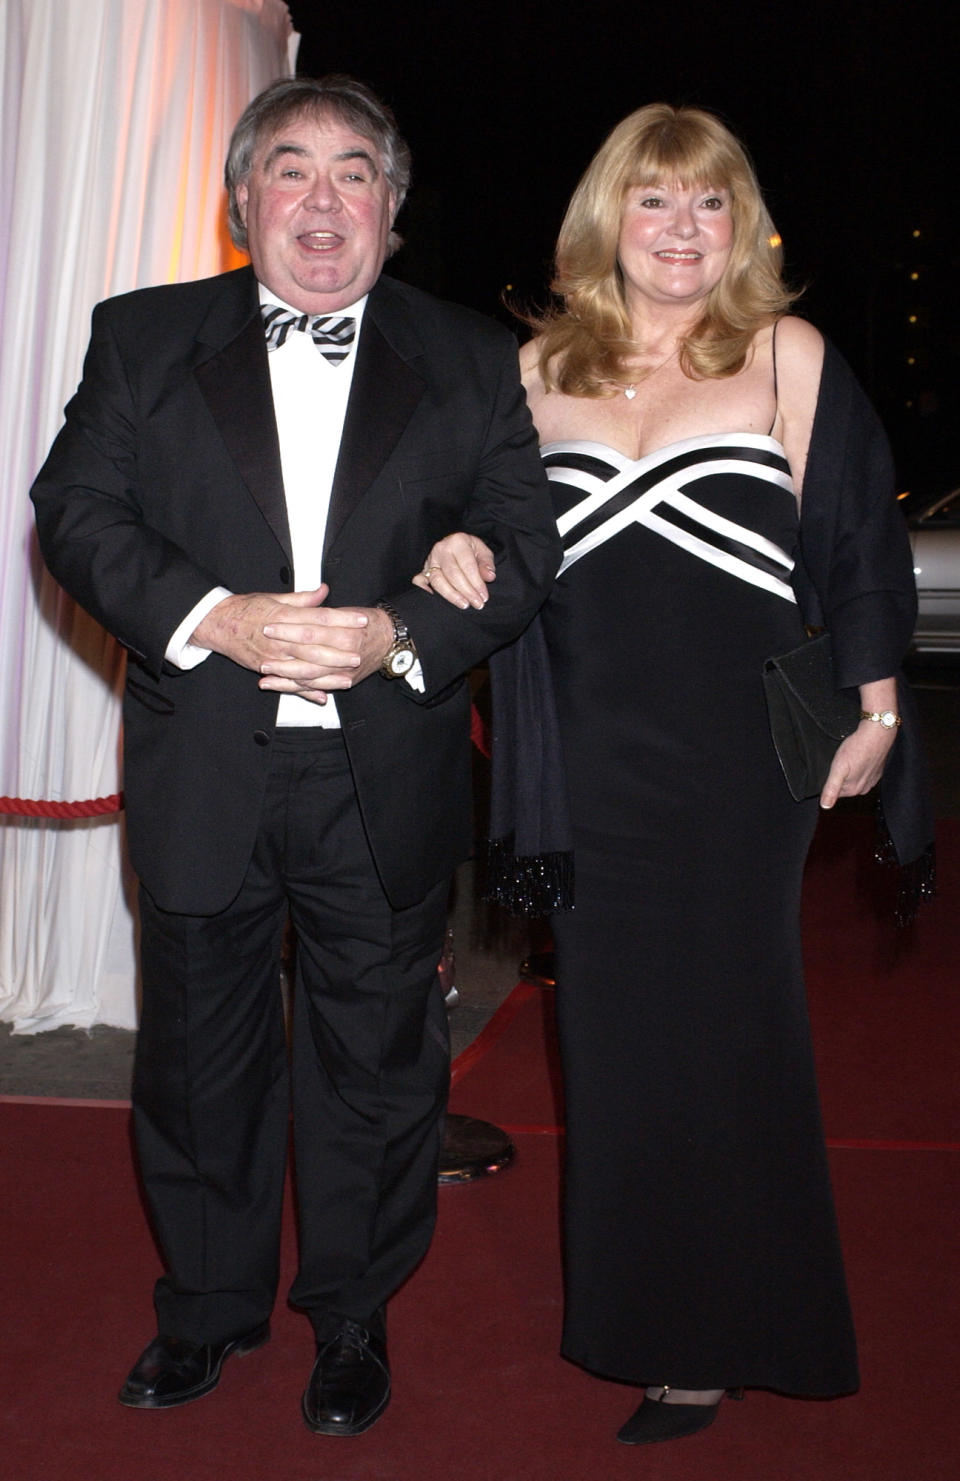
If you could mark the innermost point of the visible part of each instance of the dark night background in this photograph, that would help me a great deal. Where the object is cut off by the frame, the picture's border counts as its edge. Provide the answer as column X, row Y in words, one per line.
column 846, row 109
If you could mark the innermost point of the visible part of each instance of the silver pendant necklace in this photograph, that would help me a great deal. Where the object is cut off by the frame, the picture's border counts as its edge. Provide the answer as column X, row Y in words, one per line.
column 631, row 390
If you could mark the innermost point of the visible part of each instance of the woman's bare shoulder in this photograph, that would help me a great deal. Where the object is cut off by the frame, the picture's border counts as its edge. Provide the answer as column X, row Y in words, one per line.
column 799, row 352
column 799, row 365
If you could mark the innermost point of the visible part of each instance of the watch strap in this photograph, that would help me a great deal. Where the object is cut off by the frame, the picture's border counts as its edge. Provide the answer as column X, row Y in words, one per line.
column 402, row 641
column 889, row 719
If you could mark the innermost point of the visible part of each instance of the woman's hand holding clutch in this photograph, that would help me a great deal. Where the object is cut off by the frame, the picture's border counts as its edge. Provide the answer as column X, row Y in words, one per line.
column 859, row 762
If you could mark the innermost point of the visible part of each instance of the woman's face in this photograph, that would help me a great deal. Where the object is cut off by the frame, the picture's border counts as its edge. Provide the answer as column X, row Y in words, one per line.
column 674, row 243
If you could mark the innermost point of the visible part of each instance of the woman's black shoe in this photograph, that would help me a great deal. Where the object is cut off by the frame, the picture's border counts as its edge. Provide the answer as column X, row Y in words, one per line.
column 656, row 1420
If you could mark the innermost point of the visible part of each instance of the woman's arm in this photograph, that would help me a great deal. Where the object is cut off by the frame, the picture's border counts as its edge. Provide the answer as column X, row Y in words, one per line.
column 799, row 361
column 459, row 566
column 858, row 764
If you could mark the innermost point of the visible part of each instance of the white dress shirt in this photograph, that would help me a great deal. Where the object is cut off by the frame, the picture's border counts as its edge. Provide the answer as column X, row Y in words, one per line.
column 310, row 404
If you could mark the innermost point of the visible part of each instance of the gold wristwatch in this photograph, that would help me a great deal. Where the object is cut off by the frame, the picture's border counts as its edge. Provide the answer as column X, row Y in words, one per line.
column 889, row 719
column 402, row 653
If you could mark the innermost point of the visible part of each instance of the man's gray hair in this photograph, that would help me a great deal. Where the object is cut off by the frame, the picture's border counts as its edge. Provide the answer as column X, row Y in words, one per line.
column 336, row 96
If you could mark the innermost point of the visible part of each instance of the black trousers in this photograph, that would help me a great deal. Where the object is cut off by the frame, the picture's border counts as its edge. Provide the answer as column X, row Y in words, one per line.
column 369, row 1069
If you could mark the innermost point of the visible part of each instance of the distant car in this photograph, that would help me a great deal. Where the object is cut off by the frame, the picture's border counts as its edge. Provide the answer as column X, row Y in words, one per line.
column 935, row 538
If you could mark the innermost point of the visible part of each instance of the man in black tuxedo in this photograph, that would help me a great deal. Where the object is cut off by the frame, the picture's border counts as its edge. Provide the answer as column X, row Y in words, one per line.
column 241, row 494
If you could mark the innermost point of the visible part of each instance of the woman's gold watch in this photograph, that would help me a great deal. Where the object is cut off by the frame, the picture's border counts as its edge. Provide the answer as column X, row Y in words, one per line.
column 889, row 719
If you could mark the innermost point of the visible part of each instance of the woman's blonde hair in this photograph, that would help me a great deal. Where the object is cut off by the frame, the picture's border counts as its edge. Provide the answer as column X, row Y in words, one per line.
column 586, row 340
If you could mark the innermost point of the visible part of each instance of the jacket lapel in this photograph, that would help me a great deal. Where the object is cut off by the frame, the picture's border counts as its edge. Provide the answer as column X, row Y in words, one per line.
column 235, row 383
column 384, row 394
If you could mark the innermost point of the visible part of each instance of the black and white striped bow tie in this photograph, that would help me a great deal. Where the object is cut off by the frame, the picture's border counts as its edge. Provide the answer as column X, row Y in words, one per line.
column 333, row 336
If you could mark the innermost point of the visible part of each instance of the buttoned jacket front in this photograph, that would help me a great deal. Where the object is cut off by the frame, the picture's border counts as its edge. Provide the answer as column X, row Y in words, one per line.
column 165, row 481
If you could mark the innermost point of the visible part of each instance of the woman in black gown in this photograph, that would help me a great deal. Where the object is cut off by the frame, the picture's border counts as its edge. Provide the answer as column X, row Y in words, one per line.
column 676, row 402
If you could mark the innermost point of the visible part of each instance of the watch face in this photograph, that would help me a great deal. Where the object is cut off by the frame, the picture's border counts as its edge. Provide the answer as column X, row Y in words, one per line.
column 401, row 662
column 888, row 719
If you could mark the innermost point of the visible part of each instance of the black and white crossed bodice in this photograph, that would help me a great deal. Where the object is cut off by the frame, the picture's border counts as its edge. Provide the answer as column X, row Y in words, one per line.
column 599, row 492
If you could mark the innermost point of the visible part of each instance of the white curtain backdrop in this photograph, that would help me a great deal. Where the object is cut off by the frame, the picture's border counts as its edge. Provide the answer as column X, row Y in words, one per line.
column 114, row 121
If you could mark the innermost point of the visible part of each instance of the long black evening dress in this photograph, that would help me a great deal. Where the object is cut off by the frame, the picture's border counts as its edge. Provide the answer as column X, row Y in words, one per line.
column 701, row 1240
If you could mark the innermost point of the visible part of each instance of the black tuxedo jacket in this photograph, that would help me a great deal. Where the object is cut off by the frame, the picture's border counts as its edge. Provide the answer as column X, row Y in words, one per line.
column 165, row 481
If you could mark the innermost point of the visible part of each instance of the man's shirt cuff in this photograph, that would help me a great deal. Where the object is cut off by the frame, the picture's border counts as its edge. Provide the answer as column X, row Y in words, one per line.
column 180, row 651
column 415, row 678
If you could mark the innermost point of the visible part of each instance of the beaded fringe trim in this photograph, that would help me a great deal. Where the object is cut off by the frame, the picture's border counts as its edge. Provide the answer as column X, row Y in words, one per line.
column 917, row 881
column 528, row 885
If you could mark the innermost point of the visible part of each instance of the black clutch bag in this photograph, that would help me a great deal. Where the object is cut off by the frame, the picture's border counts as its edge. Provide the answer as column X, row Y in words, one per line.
column 808, row 716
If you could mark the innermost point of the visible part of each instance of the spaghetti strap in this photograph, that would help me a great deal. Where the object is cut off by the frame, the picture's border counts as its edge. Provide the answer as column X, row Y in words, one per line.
column 776, row 392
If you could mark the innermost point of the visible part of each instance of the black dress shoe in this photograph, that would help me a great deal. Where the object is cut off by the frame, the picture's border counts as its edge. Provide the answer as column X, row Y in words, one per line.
column 172, row 1371
column 656, row 1420
column 349, row 1387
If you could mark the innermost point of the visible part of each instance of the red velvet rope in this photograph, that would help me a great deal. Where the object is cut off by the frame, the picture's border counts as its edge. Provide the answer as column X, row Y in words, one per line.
column 95, row 807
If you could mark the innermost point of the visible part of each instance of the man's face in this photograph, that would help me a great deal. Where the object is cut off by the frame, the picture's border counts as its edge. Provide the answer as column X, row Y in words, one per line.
column 318, row 213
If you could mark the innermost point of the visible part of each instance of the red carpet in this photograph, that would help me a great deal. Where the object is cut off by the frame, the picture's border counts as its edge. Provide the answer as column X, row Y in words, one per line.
column 480, row 1393
column 884, row 1002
